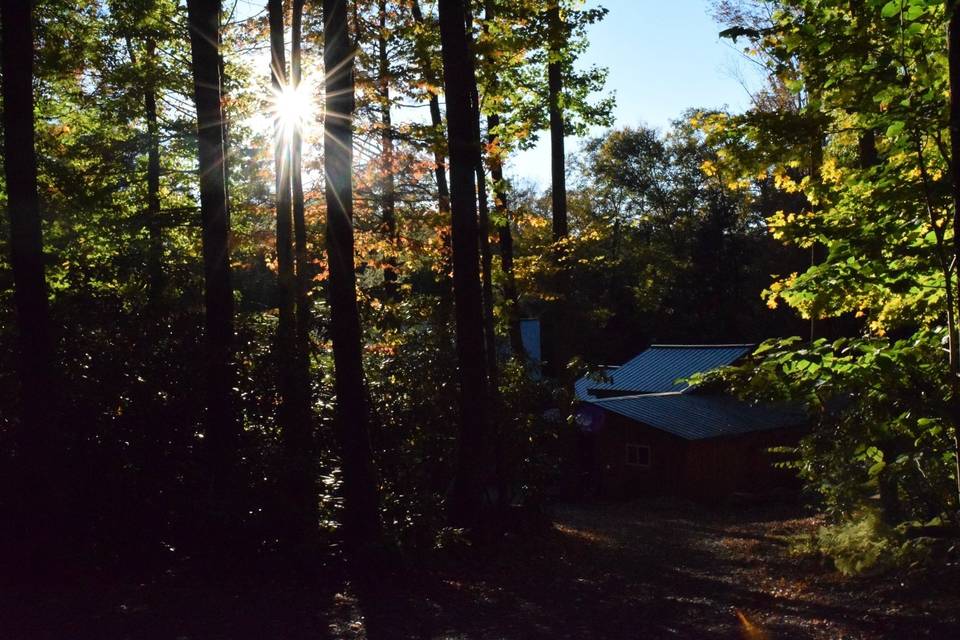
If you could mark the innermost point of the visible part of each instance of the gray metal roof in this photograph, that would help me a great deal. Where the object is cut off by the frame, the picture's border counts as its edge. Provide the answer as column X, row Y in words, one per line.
column 698, row 417
column 657, row 369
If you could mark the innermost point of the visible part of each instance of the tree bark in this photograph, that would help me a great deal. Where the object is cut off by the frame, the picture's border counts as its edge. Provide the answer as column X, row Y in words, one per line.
column 472, row 462
column 486, row 258
column 436, row 119
column 296, row 183
column 505, row 236
column 361, row 499
column 953, row 57
column 155, row 253
column 294, row 412
column 221, row 424
column 33, row 508
column 388, row 186
column 557, row 154
column 23, row 207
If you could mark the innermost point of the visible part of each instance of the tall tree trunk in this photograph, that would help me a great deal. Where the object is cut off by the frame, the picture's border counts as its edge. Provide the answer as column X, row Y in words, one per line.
column 486, row 258
column 221, row 423
column 557, row 154
column 388, row 184
column 155, row 252
column 361, row 499
column 299, row 206
column 436, row 119
column 953, row 57
column 33, row 508
column 505, row 234
column 294, row 414
column 473, row 459
column 23, row 207
column 438, row 144
column 555, row 351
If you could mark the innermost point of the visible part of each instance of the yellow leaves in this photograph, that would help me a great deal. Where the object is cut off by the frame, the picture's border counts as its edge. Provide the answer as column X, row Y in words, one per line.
column 777, row 289
column 830, row 172
column 783, row 181
column 709, row 168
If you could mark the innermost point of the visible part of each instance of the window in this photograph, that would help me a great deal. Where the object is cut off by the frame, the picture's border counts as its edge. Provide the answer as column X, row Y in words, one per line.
column 638, row 455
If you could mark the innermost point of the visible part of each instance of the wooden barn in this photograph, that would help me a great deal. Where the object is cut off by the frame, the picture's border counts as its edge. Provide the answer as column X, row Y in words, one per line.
column 642, row 430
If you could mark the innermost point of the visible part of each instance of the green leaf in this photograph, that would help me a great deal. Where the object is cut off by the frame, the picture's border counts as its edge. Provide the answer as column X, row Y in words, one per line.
column 891, row 9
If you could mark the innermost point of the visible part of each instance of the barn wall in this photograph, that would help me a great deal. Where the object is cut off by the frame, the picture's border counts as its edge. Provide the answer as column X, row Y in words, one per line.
column 719, row 467
column 618, row 479
column 700, row 469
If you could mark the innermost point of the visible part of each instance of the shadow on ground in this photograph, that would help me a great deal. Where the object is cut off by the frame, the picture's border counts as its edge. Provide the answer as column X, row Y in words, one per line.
column 649, row 569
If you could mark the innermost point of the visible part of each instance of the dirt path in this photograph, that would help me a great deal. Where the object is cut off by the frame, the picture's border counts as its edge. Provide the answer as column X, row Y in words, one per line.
column 648, row 570
column 640, row 570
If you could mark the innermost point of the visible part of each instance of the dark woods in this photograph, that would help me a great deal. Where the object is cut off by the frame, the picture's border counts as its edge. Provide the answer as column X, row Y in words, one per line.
column 187, row 364
column 235, row 326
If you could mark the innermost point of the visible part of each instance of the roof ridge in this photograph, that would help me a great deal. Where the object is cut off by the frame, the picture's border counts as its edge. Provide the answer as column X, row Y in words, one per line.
column 702, row 346
column 639, row 395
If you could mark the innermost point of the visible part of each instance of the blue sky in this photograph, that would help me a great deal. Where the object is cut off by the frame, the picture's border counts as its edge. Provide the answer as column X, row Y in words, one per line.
column 664, row 56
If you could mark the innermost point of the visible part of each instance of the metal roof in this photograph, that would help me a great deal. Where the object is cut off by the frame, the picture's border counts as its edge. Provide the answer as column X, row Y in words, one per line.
column 657, row 369
column 698, row 417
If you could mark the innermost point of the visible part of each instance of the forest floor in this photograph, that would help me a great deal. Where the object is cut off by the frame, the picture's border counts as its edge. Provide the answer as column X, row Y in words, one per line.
column 648, row 569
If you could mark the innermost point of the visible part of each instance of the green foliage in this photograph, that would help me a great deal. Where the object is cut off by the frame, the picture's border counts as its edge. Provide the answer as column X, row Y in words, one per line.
column 860, row 545
column 852, row 132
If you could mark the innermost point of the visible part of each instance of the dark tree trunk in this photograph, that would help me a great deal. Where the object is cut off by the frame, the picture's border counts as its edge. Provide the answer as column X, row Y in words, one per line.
column 438, row 144
column 557, row 154
column 555, row 350
column 436, row 119
column 33, row 508
column 388, row 186
column 486, row 258
column 486, row 272
column 294, row 412
column 361, row 499
column 953, row 57
column 473, row 459
column 299, row 208
column 221, row 423
column 155, row 253
column 501, row 206
column 504, row 232
column 23, row 207
column 867, row 144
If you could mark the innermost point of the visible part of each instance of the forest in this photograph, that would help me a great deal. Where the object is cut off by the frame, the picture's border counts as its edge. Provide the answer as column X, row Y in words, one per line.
column 268, row 269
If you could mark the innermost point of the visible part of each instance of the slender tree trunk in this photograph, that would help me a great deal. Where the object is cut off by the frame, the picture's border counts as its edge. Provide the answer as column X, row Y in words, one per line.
column 221, row 424
column 436, row 119
column 953, row 56
column 438, row 144
column 486, row 258
column 504, row 232
column 388, row 186
column 299, row 207
column 155, row 253
column 501, row 206
column 361, row 499
column 556, row 353
column 294, row 413
column 299, row 437
column 867, row 144
column 473, row 459
column 557, row 154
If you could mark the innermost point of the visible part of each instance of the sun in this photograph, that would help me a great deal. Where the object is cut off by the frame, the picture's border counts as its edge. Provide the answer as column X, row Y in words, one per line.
column 292, row 107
